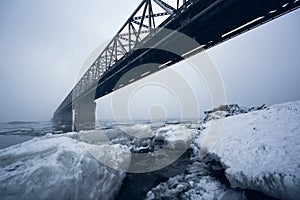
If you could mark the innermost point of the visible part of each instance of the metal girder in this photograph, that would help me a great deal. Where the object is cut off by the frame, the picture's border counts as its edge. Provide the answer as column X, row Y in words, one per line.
column 199, row 16
column 154, row 15
column 130, row 35
column 141, row 24
column 169, row 9
column 144, row 20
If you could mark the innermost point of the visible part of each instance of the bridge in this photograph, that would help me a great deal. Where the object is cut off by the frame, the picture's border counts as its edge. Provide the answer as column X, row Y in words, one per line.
column 148, row 39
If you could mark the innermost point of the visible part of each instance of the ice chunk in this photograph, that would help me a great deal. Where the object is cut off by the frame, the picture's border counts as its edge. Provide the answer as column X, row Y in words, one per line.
column 56, row 167
column 204, row 187
column 177, row 136
column 261, row 150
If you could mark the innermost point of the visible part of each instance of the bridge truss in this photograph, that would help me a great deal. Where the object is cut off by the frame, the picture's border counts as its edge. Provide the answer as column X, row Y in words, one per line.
column 145, row 21
column 210, row 22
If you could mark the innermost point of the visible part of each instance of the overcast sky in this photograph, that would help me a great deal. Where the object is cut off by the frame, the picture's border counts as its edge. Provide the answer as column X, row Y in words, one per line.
column 44, row 43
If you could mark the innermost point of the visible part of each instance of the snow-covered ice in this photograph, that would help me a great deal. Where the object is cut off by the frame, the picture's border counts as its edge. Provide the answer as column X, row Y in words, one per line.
column 260, row 150
column 67, row 166
column 176, row 136
column 57, row 167
column 194, row 186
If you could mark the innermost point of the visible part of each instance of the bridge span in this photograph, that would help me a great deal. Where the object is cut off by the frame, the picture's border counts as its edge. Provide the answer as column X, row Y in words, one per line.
column 152, row 28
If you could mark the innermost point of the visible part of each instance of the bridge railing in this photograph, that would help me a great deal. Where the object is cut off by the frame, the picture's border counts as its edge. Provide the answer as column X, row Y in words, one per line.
column 141, row 25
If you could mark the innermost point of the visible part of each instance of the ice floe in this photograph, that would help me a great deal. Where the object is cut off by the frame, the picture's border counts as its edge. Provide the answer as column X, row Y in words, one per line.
column 57, row 167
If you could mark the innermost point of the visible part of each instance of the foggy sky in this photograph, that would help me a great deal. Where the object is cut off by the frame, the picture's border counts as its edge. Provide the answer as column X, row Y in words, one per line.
column 44, row 43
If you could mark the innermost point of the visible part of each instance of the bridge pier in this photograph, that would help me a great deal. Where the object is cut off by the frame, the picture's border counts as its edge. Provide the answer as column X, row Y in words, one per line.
column 64, row 120
column 67, row 120
column 84, row 118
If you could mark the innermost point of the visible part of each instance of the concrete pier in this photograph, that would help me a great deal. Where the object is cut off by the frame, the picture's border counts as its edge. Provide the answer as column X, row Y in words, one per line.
column 84, row 118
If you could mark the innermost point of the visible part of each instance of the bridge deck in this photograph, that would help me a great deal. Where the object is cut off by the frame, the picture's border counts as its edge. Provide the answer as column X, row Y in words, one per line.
column 209, row 23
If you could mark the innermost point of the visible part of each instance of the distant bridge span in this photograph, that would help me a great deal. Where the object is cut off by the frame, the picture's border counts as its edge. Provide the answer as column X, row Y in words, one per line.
column 142, row 38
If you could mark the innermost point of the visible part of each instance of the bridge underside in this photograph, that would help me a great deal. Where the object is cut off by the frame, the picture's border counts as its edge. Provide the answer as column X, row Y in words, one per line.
column 207, row 22
column 209, row 28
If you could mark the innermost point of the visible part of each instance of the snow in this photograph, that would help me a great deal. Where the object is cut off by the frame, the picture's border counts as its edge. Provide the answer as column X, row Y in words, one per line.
column 138, row 130
column 228, row 110
column 196, row 184
column 176, row 136
column 58, row 167
column 193, row 188
column 177, row 187
column 260, row 150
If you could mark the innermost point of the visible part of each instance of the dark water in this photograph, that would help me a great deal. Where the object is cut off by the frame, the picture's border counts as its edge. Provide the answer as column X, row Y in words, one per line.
column 136, row 185
column 16, row 132
column 9, row 140
column 29, row 128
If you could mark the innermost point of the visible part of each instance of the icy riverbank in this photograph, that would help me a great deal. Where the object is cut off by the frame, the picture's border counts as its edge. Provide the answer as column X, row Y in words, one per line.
column 260, row 150
column 64, row 166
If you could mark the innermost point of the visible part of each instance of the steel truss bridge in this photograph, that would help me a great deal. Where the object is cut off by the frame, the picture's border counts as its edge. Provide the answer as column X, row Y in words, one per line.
column 148, row 31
